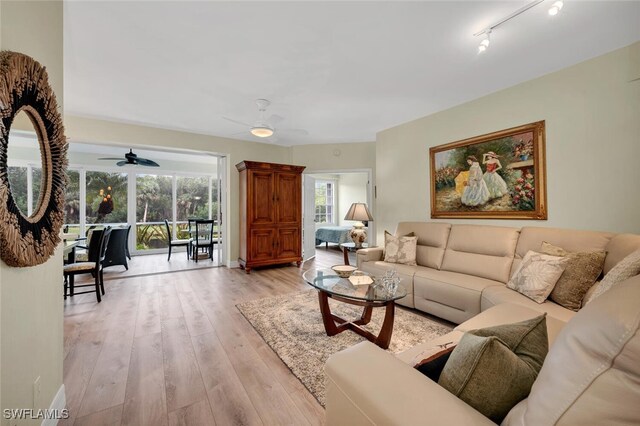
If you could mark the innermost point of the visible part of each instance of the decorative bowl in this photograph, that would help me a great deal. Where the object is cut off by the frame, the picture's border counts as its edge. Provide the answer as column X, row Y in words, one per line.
column 343, row 271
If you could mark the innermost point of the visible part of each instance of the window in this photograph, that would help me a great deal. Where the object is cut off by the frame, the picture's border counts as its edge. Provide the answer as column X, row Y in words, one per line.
column 106, row 197
column 19, row 187
column 154, row 204
column 325, row 201
column 72, row 202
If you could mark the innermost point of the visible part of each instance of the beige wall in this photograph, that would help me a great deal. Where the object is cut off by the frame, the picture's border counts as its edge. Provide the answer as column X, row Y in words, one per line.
column 31, row 330
column 35, row 29
column 592, row 114
column 330, row 157
column 352, row 188
column 128, row 135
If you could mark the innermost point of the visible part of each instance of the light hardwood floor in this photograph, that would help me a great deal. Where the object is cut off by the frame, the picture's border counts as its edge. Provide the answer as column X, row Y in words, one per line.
column 172, row 349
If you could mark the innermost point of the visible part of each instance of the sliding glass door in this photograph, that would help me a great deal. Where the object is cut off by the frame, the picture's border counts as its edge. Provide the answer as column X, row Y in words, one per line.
column 154, row 204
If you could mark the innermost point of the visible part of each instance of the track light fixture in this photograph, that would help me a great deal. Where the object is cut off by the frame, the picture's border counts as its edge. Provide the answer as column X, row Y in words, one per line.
column 555, row 8
column 484, row 44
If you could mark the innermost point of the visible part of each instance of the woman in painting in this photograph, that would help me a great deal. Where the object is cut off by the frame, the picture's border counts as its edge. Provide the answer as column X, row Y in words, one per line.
column 496, row 185
column 475, row 192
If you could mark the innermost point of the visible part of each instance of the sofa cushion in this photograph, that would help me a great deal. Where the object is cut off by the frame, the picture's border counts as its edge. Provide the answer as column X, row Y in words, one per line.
column 537, row 275
column 627, row 268
column 432, row 240
column 449, row 295
column 594, row 358
column 580, row 275
column 507, row 313
column 619, row 247
column 405, row 273
column 480, row 250
column 492, row 369
column 496, row 295
column 531, row 238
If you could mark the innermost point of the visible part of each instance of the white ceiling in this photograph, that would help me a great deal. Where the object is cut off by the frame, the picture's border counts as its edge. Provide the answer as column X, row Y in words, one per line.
column 341, row 70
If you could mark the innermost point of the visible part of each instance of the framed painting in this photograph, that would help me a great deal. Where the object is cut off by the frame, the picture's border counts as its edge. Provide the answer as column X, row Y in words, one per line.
column 500, row 175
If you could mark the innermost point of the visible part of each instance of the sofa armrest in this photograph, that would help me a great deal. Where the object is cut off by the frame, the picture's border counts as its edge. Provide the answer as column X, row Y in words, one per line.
column 369, row 386
column 371, row 254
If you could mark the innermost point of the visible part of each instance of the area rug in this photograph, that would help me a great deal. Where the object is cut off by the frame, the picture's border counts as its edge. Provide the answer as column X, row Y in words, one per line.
column 292, row 325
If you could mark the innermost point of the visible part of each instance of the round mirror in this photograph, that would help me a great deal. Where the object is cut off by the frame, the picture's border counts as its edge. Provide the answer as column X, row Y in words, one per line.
column 24, row 165
column 32, row 197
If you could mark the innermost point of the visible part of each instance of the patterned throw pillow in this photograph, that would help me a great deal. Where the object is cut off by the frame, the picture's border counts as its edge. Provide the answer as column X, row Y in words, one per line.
column 583, row 269
column 493, row 368
column 400, row 249
column 627, row 268
column 537, row 275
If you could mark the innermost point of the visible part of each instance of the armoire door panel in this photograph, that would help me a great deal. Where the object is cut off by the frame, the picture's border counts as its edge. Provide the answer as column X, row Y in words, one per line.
column 262, row 244
column 288, row 243
column 262, row 195
column 288, row 198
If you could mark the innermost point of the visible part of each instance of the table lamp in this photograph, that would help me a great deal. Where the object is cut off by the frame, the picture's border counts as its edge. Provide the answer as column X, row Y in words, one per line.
column 358, row 212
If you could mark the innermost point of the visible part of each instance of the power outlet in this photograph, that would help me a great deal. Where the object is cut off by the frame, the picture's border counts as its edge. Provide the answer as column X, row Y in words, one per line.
column 36, row 392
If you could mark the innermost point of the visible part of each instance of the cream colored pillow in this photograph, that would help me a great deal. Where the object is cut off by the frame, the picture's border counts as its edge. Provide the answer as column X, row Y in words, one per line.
column 537, row 275
column 400, row 249
column 627, row 268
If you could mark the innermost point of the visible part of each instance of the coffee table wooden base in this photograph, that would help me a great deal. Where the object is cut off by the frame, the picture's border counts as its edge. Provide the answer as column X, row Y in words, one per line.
column 333, row 324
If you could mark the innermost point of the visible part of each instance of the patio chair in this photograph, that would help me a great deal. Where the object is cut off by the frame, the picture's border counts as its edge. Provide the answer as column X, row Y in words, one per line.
column 177, row 243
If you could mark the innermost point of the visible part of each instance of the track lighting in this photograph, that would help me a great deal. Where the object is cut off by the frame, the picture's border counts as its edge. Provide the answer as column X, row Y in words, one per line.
column 485, row 42
column 555, row 8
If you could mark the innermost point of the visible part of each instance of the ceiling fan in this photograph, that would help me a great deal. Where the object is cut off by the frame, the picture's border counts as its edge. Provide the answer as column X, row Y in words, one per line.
column 266, row 128
column 133, row 160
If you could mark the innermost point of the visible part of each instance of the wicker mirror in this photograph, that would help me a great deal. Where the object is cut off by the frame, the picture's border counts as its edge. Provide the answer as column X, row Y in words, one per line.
column 24, row 88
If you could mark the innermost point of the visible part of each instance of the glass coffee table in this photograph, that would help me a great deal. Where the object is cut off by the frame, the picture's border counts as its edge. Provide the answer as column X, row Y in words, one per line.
column 330, row 285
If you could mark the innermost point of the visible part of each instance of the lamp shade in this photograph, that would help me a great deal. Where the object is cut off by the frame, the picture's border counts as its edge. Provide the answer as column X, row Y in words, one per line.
column 359, row 212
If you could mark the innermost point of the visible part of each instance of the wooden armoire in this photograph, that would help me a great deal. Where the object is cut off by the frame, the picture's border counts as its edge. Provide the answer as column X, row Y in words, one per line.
column 270, row 214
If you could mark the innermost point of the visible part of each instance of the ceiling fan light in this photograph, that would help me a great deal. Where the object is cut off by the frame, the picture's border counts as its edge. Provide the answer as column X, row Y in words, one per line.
column 262, row 131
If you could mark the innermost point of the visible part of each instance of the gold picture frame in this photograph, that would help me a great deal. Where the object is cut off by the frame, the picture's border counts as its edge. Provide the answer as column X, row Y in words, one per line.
column 500, row 175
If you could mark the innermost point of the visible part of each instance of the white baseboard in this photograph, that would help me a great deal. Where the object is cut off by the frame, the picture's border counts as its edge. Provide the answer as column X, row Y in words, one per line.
column 233, row 264
column 58, row 404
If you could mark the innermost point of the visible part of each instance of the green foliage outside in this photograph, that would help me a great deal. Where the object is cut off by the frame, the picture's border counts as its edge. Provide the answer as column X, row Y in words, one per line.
column 102, row 181
column 18, row 181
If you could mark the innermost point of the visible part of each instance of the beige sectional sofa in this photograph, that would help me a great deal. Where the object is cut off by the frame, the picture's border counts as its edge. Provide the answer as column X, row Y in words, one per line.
column 460, row 276
column 462, row 270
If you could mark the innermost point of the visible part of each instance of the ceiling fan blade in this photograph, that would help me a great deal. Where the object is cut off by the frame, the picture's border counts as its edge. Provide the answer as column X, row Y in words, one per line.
column 112, row 159
column 299, row 132
column 146, row 162
column 238, row 122
column 122, row 163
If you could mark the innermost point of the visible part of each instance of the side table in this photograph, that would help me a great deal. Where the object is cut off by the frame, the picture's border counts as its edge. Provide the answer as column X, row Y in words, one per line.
column 347, row 246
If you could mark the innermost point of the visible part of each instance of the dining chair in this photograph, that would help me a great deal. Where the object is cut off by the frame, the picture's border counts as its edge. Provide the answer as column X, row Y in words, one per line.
column 97, row 251
column 117, row 248
column 204, row 238
column 177, row 243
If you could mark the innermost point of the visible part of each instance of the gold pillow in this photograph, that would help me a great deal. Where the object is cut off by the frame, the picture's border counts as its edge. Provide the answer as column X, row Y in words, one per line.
column 581, row 273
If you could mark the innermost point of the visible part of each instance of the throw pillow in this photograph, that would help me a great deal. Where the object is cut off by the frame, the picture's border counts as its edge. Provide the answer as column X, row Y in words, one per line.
column 627, row 268
column 537, row 275
column 492, row 369
column 400, row 249
column 431, row 362
column 581, row 273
